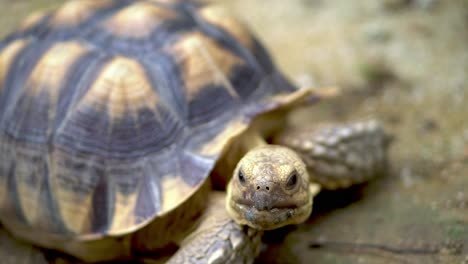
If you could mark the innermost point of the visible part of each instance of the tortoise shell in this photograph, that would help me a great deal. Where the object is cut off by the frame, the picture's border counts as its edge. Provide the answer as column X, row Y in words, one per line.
column 114, row 112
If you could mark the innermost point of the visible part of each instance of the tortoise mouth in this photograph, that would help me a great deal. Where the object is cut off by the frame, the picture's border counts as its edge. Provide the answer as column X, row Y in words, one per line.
column 266, row 205
column 268, row 218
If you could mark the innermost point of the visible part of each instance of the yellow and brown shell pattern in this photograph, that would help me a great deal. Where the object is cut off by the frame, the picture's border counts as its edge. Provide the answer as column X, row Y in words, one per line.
column 114, row 112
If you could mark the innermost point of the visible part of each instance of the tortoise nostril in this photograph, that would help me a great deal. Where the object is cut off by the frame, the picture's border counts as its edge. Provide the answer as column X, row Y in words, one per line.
column 260, row 187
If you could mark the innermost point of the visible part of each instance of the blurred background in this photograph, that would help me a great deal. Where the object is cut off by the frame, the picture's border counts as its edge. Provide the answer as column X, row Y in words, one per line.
column 404, row 62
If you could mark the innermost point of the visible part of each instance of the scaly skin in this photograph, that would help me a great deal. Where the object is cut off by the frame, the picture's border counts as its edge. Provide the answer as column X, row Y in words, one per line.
column 339, row 155
column 218, row 239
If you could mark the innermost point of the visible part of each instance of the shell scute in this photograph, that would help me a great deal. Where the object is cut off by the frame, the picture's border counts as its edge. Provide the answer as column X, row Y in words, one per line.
column 138, row 20
column 32, row 111
column 218, row 16
column 7, row 56
column 75, row 12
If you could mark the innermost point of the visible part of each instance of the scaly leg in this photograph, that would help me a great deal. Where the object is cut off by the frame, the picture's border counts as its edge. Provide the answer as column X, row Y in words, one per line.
column 218, row 239
column 339, row 155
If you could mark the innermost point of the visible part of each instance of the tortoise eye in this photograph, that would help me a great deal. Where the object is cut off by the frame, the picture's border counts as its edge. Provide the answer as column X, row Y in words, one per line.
column 292, row 181
column 241, row 177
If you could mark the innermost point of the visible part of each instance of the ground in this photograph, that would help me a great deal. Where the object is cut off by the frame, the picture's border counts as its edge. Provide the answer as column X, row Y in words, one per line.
column 404, row 62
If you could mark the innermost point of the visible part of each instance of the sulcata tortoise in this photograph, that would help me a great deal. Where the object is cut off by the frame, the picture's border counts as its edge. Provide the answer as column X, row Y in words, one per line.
column 158, row 130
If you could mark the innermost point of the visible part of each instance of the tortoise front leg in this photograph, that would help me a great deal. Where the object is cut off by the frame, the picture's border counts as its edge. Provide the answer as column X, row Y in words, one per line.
column 339, row 155
column 218, row 239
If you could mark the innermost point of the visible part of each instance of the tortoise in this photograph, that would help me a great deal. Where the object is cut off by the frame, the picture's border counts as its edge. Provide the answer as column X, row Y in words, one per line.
column 159, row 129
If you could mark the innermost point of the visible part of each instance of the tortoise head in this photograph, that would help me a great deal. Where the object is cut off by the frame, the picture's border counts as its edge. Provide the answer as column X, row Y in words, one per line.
column 269, row 189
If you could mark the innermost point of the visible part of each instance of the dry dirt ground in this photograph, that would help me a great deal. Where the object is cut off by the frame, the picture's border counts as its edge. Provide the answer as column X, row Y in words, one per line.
column 404, row 62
